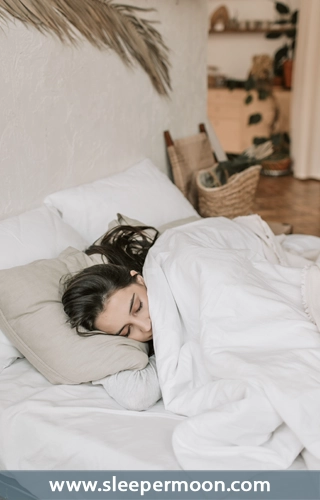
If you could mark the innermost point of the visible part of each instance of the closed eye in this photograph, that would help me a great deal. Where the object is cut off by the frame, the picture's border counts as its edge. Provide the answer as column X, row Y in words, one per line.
column 129, row 328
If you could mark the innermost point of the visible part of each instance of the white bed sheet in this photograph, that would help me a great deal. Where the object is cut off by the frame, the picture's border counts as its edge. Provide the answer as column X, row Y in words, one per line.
column 51, row 427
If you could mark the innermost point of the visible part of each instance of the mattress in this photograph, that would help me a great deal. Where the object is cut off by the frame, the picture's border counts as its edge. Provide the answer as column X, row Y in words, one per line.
column 63, row 427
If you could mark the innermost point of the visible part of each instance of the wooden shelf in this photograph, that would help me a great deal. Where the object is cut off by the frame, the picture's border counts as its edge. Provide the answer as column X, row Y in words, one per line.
column 248, row 31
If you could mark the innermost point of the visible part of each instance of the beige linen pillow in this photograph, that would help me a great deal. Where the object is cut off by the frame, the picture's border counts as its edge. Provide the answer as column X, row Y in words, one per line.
column 32, row 317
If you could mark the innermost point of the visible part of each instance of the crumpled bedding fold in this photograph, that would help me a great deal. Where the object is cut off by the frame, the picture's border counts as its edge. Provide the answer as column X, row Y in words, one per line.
column 236, row 350
column 310, row 288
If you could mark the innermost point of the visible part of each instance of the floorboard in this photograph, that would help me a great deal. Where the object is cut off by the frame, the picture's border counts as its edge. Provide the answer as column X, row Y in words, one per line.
column 286, row 199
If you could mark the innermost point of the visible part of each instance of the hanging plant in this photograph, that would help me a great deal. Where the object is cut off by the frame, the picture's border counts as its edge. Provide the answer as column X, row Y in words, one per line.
column 104, row 24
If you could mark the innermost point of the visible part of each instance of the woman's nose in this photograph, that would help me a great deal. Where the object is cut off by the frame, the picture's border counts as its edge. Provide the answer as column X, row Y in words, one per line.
column 144, row 324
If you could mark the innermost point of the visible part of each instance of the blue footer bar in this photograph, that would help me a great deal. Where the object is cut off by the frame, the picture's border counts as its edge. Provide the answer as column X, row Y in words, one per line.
column 109, row 485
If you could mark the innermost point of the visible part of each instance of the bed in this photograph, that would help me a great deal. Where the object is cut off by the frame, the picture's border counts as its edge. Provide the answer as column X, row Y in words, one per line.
column 45, row 426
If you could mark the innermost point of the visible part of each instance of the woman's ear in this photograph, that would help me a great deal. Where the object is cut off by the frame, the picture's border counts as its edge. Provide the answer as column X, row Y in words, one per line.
column 139, row 278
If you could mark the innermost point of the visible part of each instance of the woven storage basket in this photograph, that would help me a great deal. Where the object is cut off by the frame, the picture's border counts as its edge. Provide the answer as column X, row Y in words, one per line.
column 232, row 199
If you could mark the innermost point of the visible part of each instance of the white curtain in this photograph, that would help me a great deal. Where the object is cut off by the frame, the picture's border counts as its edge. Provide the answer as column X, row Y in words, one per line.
column 305, row 122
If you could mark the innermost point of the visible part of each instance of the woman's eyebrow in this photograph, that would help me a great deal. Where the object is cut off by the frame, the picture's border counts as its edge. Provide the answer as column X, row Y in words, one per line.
column 131, row 303
column 130, row 309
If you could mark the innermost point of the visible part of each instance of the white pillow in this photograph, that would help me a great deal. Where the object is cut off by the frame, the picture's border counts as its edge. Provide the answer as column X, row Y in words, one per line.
column 33, row 235
column 36, row 234
column 141, row 191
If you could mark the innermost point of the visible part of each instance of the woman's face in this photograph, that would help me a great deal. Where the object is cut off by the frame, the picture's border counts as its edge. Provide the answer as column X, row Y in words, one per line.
column 126, row 313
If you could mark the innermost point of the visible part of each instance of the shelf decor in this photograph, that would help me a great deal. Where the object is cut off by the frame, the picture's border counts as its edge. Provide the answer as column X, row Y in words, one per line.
column 219, row 19
column 272, row 30
column 104, row 24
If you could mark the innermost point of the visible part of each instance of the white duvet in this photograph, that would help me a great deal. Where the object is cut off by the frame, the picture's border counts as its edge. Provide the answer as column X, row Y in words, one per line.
column 236, row 351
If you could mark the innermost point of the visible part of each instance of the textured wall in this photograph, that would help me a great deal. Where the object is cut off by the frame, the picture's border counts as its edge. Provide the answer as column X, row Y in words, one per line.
column 72, row 115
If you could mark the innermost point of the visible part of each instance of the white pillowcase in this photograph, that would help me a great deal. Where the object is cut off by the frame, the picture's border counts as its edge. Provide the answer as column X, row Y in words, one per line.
column 33, row 235
column 141, row 191
column 36, row 234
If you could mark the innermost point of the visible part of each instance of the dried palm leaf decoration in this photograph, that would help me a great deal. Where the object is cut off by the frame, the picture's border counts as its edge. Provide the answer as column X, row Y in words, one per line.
column 104, row 24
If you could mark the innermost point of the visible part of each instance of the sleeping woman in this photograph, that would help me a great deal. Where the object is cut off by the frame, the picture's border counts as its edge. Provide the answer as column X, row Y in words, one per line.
column 236, row 319
column 111, row 299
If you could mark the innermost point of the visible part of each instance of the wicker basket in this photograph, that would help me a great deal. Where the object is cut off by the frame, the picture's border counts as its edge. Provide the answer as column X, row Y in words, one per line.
column 232, row 199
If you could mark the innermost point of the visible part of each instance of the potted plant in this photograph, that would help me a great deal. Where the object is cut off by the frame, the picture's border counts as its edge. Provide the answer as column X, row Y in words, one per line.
column 260, row 80
column 283, row 58
column 273, row 151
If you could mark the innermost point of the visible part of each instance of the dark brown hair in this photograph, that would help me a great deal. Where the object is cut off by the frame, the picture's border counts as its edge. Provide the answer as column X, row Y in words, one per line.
column 126, row 246
column 85, row 293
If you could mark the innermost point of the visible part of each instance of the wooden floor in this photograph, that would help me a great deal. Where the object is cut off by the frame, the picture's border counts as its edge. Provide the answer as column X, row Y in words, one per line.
column 286, row 199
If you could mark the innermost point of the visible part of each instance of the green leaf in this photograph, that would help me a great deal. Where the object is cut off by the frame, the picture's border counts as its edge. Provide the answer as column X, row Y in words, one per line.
column 249, row 84
column 291, row 33
column 286, row 137
column 278, row 70
column 248, row 99
column 260, row 140
column 295, row 17
column 255, row 118
column 262, row 94
column 231, row 84
column 274, row 34
column 282, row 53
column 282, row 8
column 280, row 56
column 276, row 139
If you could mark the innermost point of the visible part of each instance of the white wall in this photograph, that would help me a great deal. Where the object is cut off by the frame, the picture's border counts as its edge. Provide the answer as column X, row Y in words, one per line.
column 233, row 53
column 72, row 115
